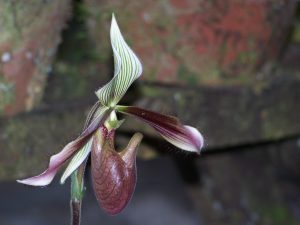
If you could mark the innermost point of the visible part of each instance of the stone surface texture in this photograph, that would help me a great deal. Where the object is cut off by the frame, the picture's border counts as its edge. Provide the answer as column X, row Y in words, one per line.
column 227, row 114
column 30, row 33
column 197, row 42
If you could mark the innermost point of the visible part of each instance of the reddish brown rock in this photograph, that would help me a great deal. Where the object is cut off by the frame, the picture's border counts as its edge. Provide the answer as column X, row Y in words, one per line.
column 30, row 33
column 195, row 41
column 228, row 115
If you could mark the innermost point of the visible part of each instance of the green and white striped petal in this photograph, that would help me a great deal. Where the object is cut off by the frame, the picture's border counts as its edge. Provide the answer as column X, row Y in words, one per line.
column 77, row 159
column 127, row 69
column 97, row 117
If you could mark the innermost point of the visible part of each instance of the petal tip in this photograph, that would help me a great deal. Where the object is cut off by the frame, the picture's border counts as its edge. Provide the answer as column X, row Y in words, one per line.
column 21, row 181
column 113, row 17
column 62, row 181
column 34, row 182
column 196, row 138
column 113, row 20
column 184, row 137
column 114, row 24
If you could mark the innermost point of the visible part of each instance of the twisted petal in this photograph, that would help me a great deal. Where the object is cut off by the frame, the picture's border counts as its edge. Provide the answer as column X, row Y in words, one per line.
column 77, row 159
column 185, row 137
column 127, row 69
column 56, row 161
column 113, row 173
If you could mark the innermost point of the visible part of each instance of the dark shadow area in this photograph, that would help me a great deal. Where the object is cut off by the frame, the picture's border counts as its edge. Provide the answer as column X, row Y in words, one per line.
column 157, row 200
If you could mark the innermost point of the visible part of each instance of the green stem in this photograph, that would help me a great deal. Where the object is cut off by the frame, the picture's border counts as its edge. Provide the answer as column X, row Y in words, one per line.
column 77, row 182
column 77, row 191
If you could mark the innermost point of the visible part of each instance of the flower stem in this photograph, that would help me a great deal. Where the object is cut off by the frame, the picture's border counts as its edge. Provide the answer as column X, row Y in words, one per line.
column 75, row 212
column 77, row 191
column 77, row 182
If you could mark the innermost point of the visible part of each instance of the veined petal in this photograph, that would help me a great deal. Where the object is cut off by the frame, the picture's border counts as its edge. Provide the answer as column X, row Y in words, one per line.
column 127, row 69
column 56, row 161
column 113, row 173
column 77, row 159
column 185, row 137
column 100, row 115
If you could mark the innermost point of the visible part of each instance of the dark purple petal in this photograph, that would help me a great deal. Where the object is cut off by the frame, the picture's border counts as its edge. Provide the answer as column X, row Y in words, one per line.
column 113, row 173
column 185, row 137
column 56, row 161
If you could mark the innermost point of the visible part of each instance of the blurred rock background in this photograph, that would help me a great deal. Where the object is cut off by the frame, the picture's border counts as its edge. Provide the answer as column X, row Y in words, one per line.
column 230, row 68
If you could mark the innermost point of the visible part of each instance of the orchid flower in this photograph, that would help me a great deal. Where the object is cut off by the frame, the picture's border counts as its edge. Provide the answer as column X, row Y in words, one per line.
column 113, row 172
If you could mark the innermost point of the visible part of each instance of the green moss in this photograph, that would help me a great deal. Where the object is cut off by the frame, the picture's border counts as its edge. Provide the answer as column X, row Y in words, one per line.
column 81, row 11
column 8, row 28
column 278, row 120
column 76, row 71
column 184, row 74
column 77, row 35
column 245, row 78
column 28, row 141
column 18, row 19
column 72, row 83
column 271, row 207
column 247, row 57
column 6, row 93
column 151, row 91
column 296, row 34
column 275, row 214
column 16, row 133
